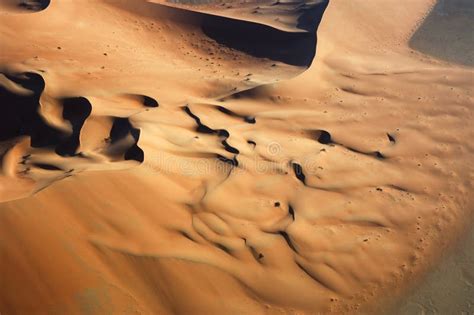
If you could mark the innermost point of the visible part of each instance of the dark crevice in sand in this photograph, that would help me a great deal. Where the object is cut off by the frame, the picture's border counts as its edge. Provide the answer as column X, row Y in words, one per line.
column 187, row 236
column 365, row 224
column 376, row 154
column 312, row 276
column 322, row 136
column 399, row 188
column 291, row 211
column 223, row 248
column 48, row 167
column 247, row 119
column 76, row 110
column 352, row 91
column 298, row 170
column 288, row 240
column 256, row 255
column 229, row 148
column 150, row 102
column 232, row 162
column 135, row 153
column 201, row 128
column 325, row 137
column 221, row 133
column 252, row 143
column 20, row 113
column 250, row 120
column 391, row 138
column 224, row 134
column 121, row 129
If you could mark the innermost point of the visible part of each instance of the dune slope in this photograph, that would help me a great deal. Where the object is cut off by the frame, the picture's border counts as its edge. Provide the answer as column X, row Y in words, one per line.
column 199, row 158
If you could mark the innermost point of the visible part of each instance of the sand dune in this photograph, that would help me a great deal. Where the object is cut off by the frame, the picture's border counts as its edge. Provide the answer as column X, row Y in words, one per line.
column 217, row 157
column 290, row 16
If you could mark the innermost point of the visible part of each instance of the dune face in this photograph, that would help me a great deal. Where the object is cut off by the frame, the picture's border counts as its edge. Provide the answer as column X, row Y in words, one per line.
column 226, row 157
column 290, row 16
column 61, row 120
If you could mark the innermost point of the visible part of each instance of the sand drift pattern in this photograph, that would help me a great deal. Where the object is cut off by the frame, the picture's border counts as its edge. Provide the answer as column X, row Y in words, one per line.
column 196, row 157
column 25, row 117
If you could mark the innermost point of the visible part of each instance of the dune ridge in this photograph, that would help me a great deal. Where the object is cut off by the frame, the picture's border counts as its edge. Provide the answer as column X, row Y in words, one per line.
column 289, row 16
column 46, row 127
column 156, row 162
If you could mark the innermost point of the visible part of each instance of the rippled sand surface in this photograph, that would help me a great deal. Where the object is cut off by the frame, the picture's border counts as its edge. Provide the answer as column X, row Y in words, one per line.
column 232, row 157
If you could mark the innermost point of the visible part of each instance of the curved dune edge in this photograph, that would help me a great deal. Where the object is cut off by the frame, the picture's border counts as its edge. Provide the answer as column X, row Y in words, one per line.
column 23, row 6
column 289, row 16
column 58, row 122
column 330, row 192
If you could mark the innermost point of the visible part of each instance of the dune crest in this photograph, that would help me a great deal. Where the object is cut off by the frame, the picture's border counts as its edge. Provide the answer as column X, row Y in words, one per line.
column 220, row 158
column 290, row 16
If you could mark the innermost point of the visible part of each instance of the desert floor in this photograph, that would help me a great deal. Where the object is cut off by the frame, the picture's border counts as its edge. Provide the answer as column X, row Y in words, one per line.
column 236, row 157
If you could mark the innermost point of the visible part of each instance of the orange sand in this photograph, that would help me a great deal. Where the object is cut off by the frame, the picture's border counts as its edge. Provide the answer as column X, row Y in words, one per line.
column 214, row 181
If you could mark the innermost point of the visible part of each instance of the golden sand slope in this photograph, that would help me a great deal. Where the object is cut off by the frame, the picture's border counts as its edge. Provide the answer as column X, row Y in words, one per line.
column 189, row 180
column 290, row 16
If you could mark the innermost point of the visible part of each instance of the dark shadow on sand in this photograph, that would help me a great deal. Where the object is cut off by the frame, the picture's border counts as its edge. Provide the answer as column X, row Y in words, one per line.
column 20, row 115
column 34, row 5
column 262, row 41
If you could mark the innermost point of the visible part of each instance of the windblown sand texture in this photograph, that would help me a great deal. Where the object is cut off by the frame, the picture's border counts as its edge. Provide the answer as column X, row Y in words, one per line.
column 217, row 157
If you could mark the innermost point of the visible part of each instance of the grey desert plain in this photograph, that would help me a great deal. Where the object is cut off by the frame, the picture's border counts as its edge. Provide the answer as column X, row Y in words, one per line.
column 236, row 157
